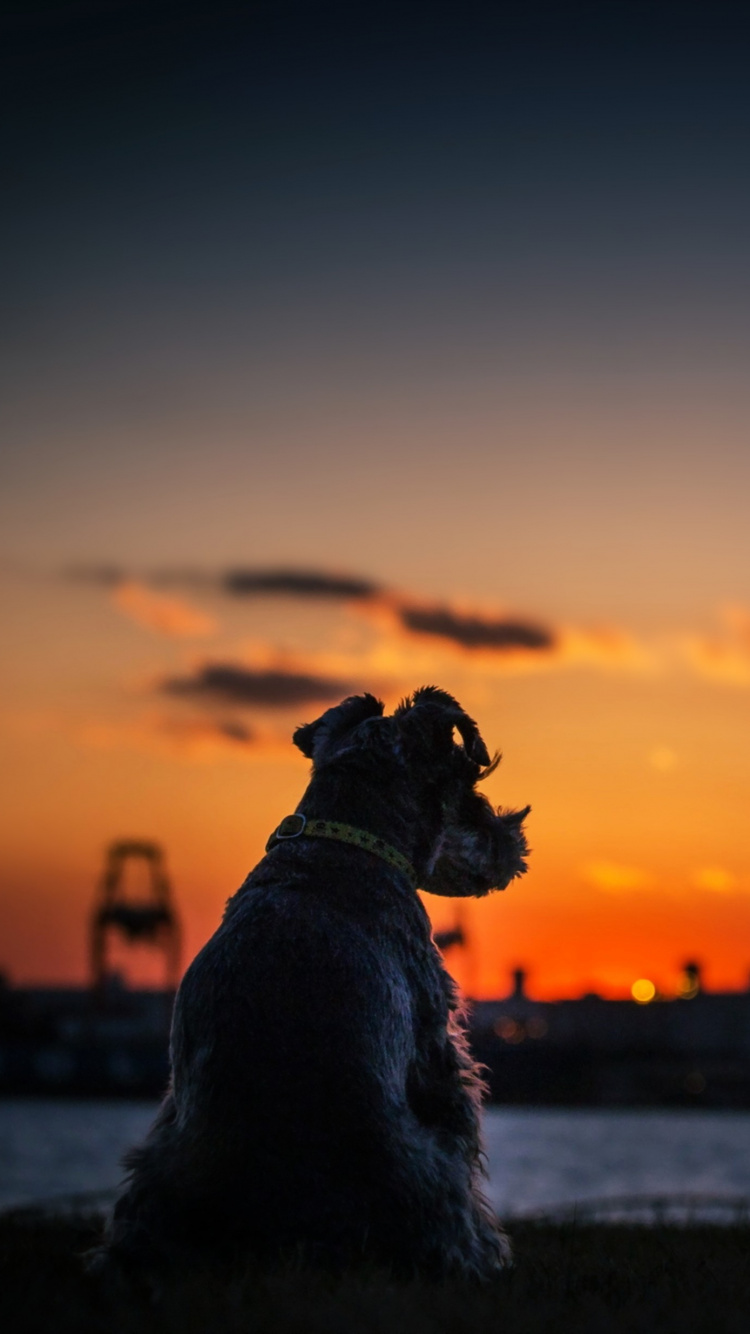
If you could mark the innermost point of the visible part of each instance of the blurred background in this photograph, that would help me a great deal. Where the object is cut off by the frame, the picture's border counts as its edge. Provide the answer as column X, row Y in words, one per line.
column 358, row 347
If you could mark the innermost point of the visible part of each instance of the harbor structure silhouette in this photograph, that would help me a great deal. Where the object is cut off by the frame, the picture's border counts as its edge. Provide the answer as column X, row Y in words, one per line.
column 111, row 1039
column 150, row 918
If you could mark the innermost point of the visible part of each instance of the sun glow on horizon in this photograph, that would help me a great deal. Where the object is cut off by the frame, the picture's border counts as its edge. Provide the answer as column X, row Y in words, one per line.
column 643, row 991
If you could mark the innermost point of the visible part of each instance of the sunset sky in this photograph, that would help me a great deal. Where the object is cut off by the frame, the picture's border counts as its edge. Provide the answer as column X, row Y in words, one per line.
column 359, row 347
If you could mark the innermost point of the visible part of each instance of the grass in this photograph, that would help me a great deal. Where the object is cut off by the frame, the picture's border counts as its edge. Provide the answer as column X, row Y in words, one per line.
column 587, row 1279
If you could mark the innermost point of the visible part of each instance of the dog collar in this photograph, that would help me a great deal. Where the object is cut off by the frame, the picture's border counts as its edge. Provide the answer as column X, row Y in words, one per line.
column 292, row 826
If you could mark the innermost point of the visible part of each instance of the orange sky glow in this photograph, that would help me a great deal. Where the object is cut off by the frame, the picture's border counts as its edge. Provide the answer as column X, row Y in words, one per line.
column 627, row 746
column 342, row 357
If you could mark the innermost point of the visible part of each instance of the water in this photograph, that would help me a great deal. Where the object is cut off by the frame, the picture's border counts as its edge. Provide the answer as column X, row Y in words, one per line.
column 59, row 1147
column 537, row 1158
column 541, row 1158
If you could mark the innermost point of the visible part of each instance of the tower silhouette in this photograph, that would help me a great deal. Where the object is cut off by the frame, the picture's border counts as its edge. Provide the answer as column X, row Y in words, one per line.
column 150, row 919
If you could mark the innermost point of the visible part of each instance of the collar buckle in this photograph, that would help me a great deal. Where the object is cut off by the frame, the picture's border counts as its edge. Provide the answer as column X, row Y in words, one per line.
column 291, row 826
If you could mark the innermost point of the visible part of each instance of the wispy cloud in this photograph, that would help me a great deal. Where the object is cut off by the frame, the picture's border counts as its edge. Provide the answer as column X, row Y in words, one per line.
column 237, row 581
column 716, row 879
column 163, row 614
column 198, row 740
column 503, row 643
column 105, row 574
column 298, row 583
column 412, row 631
column 235, row 684
column 724, row 656
column 608, row 647
column 615, row 878
column 470, row 631
column 195, row 737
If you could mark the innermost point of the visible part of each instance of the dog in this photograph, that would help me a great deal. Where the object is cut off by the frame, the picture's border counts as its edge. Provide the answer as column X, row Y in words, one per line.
column 323, row 1100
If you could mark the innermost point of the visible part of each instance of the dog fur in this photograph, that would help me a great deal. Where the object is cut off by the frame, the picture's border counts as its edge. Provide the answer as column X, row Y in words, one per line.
column 323, row 1099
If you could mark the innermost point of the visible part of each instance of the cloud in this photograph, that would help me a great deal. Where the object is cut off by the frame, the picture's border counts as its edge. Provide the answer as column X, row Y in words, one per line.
column 605, row 646
column 238, row 581
column 615, row 878
column 194, row 739
column 472, row 631
column 715, row 879
column 103, row 574
column 235, row 684
column 297, row 583
column 496, row 640
column 236, row 731
column 170, row 616
column 498, row 643
column 724, row 656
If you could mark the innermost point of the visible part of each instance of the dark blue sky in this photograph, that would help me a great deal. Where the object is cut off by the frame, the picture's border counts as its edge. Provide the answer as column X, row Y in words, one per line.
column 406, row 161
column 272, row 223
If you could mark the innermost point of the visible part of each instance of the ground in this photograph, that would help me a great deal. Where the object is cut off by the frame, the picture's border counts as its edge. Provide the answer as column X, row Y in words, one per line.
column 585, row 1279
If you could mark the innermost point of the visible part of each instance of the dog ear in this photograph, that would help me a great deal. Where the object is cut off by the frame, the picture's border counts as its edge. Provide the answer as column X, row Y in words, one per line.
column 314, row 739
column 431, row 715
column 477, row 851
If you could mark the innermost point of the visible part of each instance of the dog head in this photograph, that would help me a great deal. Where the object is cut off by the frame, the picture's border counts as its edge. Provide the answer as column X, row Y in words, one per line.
column 462, row 846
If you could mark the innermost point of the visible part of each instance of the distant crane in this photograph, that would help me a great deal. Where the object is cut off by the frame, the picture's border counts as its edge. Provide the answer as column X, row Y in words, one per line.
column 151, row 919
column 445, row 940
column 456, row 937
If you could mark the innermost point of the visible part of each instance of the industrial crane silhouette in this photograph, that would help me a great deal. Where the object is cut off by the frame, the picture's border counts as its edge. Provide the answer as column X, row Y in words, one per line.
column 445, row 940
column 151, row 919
column 457, row 937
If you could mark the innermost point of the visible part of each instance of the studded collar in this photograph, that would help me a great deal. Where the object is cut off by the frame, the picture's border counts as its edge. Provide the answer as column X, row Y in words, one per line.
column 299, row 826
